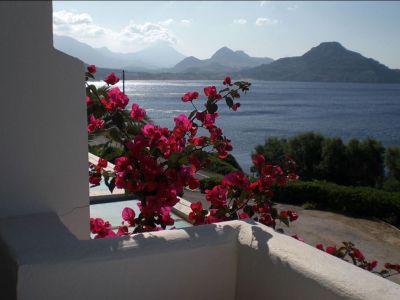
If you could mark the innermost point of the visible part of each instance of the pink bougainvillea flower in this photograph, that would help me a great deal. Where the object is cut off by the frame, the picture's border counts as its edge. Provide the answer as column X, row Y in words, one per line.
column 210, row 91
column 95, row 179
column 331, row 249
column 91, row 69
column 243, row 216
column 111, row 79
column 236, row 179
column 357, row 254
column 258, row 160
column 88, row 101
column 320, row 247
column 190, row 96
column 123, row 230
column 128, row 215
column 116, row 99
column 166, row 217
column 227, row 80
column 95, row 124
column 183, row 123
column 292, row 216
column 101, row 164
column 217, row 196
column 295, row 236
column 235, row 106
column 372, row 265
column 137, row 113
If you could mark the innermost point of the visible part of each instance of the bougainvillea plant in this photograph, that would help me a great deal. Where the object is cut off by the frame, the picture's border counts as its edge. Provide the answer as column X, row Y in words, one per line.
column 158, row 163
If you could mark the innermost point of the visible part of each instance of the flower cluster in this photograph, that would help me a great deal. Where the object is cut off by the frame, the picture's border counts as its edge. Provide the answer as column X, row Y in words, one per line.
column 348, row 251
column 158, row 163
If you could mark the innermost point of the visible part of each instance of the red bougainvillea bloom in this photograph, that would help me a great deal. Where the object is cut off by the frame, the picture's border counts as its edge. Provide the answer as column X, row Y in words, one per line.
column 190, row 96
column 100, row 228
column 295, row 236
column 137, row 113
column 101, row 164
column 117, row 99
column 111, row 79
column 91, row 69
column 258, row 160
column 217, row 196
column 196, row 215
column 235, row 106
column 357, row 254
column 372, row 265
column 95, row 124
column 183, row 123
column 320, row 247
column 227, row 80
column 292, row 216
column 210, row 91
column 331, row 249
column 128, row 215
column 236, row 179
column 95, row 179
column 243, row 216
column 166, row 217
column 88, row 101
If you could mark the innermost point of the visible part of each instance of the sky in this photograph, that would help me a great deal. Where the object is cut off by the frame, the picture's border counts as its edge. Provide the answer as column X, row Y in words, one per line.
column 260, row 28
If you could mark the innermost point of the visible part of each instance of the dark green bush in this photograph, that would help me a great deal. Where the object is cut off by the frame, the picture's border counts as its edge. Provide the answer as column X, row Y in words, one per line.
column 359, row 162
column 108, row 153
column 209, row 183
column 222, row 166
column 356, row 201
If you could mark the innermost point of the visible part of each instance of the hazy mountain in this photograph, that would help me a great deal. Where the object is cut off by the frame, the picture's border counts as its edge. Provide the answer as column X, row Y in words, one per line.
column 85, row 52
column 157, row 56
column 224, row 60
column 329, row 61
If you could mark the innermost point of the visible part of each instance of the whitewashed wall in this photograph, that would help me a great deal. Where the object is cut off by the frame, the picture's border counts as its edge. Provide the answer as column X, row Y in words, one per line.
column 43, row 123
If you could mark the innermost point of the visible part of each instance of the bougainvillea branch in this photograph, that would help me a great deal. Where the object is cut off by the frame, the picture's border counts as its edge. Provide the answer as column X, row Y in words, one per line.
column 157, row 163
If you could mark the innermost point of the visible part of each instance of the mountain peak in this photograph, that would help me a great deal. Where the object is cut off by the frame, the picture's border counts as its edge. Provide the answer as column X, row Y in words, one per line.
column 222, row 52
column 326, row 49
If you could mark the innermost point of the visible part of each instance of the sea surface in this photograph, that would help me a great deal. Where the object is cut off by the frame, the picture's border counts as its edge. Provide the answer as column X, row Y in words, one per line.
column 283, row 109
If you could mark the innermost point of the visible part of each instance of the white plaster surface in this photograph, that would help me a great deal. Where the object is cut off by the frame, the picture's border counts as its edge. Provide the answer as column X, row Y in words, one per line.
column 43, row 121
column 230, row 260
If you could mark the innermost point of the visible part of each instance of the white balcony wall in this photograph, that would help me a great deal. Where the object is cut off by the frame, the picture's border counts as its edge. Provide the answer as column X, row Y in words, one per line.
column 43, row 122
column 231, row 260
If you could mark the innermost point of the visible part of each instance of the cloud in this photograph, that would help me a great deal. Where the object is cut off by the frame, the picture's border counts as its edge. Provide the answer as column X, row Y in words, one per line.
column 184, row 21
column 167, row 22
column 263, row 3
column 132, row 37
column 293, row 7
column 266, row 22
column 62, row 17
column 240, row 21
column 147, row 33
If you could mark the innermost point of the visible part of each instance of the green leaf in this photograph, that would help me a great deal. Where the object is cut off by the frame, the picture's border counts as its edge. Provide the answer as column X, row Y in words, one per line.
column 284, row 220
column 93, row 88
column 87, row 74
column 229, row 101
column 212, row 108
column 192, row 114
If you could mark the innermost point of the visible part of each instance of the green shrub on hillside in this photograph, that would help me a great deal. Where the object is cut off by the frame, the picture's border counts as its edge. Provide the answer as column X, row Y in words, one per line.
column 209, row 183
column 223, row 166
column 357, row 201
column 324, row 158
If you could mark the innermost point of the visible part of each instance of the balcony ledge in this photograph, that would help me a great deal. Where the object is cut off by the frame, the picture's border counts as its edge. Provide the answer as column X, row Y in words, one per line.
column 229, row 260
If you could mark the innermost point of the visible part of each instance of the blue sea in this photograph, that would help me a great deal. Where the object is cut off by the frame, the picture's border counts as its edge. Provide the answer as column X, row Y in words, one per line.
column 283, row 109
